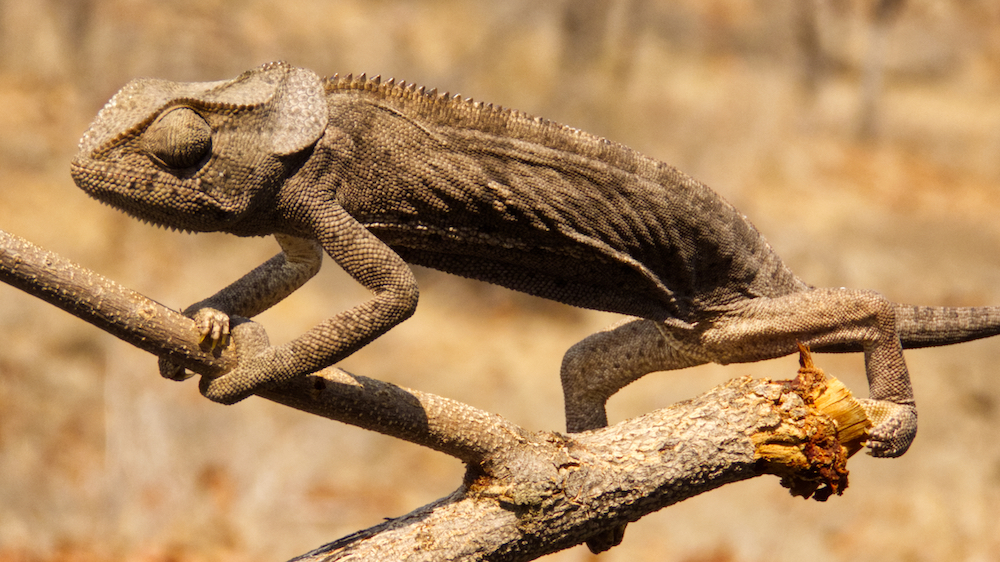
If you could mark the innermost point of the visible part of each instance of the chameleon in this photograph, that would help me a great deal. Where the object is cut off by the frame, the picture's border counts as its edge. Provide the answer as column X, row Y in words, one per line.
column 381, row 174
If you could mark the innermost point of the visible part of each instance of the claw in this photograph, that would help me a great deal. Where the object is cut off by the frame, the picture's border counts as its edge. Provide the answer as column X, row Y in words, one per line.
column 213, row 333
column 213, row 327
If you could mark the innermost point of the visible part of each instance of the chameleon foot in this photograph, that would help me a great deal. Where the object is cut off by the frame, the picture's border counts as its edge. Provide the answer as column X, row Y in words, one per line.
column 895, row 426
column 254, row 368
column 213, row 326
column 606, row 540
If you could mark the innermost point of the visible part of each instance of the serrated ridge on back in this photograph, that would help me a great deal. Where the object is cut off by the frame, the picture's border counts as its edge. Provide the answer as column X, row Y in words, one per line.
column 465, row 112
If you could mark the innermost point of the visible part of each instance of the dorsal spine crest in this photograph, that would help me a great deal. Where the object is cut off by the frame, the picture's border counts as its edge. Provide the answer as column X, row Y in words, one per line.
column 405, row 90
column 482, row 114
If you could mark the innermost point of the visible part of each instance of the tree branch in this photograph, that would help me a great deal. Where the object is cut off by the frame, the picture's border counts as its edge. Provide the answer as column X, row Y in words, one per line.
column 525, row 494
column 441, row 424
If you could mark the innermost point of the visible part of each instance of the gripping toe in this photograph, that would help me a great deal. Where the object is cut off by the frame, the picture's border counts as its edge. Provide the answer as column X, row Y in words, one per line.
column 895, row 426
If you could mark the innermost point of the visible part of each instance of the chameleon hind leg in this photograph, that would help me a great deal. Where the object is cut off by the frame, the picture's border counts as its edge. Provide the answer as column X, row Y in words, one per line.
column 602, row 364
column 599, row 366
column 747, row 331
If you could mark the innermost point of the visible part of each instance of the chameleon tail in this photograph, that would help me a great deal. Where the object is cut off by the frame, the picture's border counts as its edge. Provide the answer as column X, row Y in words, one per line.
column 930, row 326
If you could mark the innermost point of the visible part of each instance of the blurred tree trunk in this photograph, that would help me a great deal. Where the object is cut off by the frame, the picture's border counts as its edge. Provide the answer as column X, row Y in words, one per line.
column 597, row 58
column 884, row 14
column 815, row 64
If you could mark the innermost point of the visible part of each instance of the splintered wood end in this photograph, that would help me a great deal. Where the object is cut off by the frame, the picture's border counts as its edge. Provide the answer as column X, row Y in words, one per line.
column 822, row 425
column 831, row 397
column 852, row 422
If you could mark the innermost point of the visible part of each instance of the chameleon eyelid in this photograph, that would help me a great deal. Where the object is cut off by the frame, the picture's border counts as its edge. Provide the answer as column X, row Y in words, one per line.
column 179, row 139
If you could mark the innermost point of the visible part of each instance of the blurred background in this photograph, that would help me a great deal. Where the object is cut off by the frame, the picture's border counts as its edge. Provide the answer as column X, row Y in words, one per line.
column 861, row 137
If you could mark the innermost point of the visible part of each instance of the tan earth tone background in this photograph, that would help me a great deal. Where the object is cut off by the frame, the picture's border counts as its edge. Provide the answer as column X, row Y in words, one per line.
column 865, row 148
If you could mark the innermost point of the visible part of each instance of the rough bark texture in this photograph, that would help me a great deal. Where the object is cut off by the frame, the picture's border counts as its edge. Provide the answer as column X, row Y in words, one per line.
column 525, row 494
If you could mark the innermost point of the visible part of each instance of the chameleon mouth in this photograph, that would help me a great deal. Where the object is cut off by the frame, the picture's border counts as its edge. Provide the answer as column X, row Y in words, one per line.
column 151, row 199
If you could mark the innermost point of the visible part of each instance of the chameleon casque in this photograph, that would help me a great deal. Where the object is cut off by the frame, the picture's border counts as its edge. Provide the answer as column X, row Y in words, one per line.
column 381, row 174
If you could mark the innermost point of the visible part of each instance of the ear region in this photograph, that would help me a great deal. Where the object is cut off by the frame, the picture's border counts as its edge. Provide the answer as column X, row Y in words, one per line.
column 292, row 100
column 298, row 112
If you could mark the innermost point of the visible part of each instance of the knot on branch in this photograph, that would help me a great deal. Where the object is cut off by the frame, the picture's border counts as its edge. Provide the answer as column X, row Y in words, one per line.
column 821, row 426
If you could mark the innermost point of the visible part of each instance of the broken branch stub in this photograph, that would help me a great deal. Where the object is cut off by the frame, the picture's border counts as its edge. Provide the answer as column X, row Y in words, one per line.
column 809, row 452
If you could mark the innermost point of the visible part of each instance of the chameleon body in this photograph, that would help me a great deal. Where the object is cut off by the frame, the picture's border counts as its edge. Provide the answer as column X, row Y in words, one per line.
column 377, row 174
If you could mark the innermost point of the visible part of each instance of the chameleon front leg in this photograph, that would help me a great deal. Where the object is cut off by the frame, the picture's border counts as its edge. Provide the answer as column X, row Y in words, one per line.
column 259, row 290
column 255, row 292
column 371, row 263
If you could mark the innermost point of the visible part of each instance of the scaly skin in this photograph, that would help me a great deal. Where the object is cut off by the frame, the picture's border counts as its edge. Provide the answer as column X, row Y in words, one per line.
column 380, row 174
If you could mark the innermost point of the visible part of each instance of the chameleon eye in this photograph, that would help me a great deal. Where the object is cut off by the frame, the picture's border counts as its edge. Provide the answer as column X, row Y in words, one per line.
column 180, row 138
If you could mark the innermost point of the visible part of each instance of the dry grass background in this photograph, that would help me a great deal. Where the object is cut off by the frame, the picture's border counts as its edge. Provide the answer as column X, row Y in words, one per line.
column 100, row 459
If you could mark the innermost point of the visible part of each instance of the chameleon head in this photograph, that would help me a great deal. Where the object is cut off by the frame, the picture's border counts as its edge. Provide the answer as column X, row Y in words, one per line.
column 201, row 156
